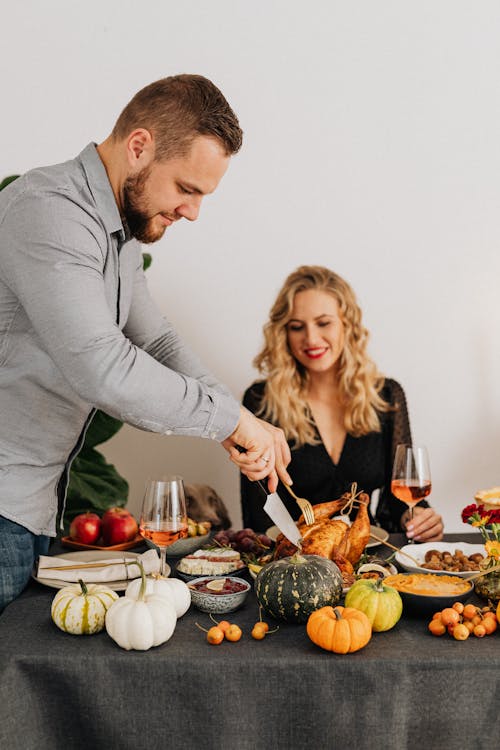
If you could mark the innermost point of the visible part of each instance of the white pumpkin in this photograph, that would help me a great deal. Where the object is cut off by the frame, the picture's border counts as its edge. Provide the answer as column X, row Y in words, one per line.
column 141, row 623
column 173, row 589
column 80, row 609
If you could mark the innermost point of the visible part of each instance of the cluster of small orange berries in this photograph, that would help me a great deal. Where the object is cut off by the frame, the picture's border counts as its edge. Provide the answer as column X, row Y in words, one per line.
column 461, row 621
column 231, row 632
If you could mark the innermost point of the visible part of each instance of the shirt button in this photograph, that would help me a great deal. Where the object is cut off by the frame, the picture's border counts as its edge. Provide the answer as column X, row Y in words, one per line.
column 168, row 432
column 213, row 435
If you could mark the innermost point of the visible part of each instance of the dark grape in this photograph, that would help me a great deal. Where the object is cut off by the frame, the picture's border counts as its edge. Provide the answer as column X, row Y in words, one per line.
column 264, row 540
column 246, row 545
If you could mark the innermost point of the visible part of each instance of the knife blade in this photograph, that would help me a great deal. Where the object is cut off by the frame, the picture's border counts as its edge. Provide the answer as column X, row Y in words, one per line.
column 277, row 512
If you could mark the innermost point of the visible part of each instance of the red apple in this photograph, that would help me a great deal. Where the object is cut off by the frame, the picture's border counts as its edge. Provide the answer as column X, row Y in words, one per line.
column 85, row 528
column 118, row 526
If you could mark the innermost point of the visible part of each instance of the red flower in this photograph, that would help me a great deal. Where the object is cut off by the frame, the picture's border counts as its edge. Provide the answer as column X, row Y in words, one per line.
column 468, row 511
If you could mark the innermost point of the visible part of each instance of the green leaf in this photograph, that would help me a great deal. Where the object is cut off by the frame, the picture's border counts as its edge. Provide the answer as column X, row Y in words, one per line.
column 101, row 428
column 7, row 180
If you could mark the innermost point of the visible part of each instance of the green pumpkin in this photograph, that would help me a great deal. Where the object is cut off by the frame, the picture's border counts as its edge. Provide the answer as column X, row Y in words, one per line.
column 291, row 588
column 381, row 604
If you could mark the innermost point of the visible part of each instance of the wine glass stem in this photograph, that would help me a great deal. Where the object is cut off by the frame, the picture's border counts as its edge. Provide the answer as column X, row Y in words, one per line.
column 163, row 560
column 410, row 540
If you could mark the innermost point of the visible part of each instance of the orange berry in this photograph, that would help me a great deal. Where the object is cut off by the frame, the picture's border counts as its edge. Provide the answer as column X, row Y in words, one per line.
column 436, row 627
column 489, row 613
column 459, row 607
column 436, row 616
column 258, row 633
column 233, row 633
column 470, row 610
column 468, row 624
column 450, row 616
column 479, row 631
column 490, row 625
column 476, row 620
column 215, row 635
column 460, row 632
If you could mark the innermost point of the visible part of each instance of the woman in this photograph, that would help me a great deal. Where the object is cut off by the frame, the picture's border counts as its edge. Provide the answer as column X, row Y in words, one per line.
column 341, row 417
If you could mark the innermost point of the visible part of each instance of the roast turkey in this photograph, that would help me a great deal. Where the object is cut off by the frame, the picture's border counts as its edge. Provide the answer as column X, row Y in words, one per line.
column 331, row 537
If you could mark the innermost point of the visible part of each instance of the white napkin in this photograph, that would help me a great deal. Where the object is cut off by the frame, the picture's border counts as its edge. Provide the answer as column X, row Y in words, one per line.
column 112, row 572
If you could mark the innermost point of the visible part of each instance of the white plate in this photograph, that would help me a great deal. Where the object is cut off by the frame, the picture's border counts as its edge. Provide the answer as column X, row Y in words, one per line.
column 381, row 534
column 90, row 556
column 273, row 531
column 418, row 552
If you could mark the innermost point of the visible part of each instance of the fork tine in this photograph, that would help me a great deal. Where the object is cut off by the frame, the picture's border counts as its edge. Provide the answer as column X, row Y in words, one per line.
column 308, row 513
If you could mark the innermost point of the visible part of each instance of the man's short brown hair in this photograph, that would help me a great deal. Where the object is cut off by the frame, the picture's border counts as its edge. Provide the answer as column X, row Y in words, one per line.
column 177, row 109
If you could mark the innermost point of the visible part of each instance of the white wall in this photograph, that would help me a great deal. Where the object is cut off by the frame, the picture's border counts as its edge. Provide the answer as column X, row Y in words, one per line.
column 371, row 146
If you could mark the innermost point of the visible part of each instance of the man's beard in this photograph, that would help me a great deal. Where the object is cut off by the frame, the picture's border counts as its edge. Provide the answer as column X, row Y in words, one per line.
column 139, row 222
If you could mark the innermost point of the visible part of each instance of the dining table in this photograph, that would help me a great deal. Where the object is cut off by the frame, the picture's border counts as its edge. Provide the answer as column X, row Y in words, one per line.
column 405, row 689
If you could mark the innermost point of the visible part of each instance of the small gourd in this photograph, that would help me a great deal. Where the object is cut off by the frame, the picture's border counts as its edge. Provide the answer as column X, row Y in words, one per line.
column 342, row 630
column 291, row 588
column 141, row 623
column 172, row 589
column 381, row 604
column 80, row 609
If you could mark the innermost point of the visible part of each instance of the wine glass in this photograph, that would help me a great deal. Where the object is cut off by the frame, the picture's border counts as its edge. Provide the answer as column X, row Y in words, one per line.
column 163, row 515
column 411, row 476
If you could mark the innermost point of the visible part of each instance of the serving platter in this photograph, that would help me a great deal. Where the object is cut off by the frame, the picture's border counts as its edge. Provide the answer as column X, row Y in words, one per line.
column 67, row 541
column 87, row 556
column 418, row 551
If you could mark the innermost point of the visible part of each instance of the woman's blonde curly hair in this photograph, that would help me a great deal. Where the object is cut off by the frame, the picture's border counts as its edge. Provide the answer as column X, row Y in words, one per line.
column 285, row 394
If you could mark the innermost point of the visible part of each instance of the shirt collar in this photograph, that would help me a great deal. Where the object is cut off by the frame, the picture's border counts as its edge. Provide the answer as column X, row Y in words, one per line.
column 102, row 192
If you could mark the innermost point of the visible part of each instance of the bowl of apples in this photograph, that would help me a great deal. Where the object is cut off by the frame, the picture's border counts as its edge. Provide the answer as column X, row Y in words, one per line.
column 117, row 529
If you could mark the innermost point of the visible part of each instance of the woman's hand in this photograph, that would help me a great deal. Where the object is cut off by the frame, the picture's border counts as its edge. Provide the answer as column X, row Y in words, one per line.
column 427, row 525
column 266, row 452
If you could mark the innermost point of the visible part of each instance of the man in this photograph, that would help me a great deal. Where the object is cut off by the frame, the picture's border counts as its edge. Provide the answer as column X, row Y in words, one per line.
column 78, row 329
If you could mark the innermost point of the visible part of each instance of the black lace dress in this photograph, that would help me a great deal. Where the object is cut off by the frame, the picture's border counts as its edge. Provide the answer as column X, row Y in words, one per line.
column 365, row 460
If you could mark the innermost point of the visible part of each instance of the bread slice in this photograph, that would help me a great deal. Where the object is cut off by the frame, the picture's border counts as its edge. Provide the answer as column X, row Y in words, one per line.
column 489, row 498
column 211, row 562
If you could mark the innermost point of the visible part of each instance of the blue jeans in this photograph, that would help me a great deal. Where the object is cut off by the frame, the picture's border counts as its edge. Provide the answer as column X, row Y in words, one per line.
column 19, row 549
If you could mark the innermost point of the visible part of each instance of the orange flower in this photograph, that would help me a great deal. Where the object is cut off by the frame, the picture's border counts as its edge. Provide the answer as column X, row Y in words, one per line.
column 493, row 549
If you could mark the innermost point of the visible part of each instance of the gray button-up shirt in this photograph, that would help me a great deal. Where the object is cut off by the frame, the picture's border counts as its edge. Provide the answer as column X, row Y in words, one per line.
column 78, row 330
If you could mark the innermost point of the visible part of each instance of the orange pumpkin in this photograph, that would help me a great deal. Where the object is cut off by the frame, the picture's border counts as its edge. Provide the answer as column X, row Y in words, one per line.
column 339, row 629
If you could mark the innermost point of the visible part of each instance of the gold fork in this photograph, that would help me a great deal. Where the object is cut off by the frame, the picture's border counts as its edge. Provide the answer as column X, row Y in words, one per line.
column 304, row 505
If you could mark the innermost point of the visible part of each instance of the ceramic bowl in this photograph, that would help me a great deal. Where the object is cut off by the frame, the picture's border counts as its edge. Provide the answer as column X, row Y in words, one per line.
column 424, row 605
column 418, row 552
column 183, row 547
column 218, row 603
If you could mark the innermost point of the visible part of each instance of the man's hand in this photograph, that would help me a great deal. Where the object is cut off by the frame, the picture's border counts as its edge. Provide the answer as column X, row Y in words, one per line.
column 265, row 450
column 427, row 525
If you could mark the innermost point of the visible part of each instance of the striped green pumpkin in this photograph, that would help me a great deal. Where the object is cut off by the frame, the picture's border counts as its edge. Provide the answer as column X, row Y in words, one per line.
column 80, row 609
column 291, row 588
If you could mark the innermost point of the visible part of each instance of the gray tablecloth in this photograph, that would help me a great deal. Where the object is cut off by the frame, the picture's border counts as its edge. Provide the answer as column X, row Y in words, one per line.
column 405, row 689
